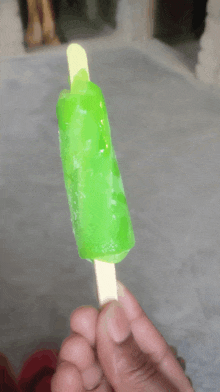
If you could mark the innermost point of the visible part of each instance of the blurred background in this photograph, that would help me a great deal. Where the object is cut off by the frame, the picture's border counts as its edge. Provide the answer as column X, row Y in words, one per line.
column 173, row 20
column 178, row 24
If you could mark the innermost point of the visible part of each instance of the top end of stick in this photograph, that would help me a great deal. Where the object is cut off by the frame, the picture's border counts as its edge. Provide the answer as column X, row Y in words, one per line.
column 77, row 59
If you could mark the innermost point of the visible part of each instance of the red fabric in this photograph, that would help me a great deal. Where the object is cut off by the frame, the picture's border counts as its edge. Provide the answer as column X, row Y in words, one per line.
column 44, row 385
column 35, row 376
column 7, row 384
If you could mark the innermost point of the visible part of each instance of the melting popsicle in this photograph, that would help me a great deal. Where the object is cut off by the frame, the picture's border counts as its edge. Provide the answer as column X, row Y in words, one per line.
column 99, row 213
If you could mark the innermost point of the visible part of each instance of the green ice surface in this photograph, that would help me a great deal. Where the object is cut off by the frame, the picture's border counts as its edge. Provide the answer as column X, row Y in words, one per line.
column 99, row 213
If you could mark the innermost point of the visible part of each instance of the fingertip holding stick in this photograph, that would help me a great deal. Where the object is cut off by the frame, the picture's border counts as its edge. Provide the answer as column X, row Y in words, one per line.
column 105, row 272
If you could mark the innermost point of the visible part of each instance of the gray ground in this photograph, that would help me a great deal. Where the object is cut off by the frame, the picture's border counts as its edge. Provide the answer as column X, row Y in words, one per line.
column 165, row 130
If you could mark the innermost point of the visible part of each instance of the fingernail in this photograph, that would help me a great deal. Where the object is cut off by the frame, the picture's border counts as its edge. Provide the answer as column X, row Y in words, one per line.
column 117, row 323
column 120, row 289
column 120, row 292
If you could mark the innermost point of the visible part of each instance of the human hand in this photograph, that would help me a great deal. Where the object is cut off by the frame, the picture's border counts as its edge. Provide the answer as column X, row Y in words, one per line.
column 117, row 349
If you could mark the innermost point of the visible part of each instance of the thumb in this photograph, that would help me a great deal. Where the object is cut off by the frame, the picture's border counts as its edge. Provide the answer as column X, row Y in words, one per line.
column 125, row 365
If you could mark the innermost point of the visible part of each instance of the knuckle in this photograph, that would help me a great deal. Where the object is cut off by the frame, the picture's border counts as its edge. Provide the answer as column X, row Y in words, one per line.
column 141, row 371
column 137, row 367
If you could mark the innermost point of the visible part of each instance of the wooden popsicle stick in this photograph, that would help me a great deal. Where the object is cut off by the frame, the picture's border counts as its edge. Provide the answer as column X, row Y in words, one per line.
column 106, row 281
column 77, row 59
column 105, row 272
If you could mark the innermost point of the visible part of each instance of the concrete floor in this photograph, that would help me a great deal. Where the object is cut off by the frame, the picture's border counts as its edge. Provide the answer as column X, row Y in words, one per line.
column 165, row 130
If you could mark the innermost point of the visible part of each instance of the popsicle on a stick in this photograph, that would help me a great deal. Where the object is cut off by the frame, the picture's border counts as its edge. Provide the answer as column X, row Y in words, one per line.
column 99, row 213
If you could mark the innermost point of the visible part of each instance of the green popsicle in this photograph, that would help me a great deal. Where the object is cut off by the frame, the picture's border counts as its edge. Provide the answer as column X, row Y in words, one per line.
column 99, row 213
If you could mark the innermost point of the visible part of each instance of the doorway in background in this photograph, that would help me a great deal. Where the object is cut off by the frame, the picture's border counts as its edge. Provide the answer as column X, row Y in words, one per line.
column 180, row 24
